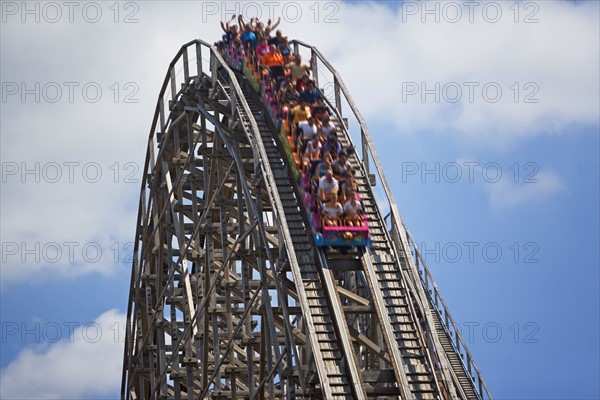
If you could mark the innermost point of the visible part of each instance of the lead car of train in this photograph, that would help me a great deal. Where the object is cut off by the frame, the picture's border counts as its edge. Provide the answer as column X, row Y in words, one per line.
column 334, row 236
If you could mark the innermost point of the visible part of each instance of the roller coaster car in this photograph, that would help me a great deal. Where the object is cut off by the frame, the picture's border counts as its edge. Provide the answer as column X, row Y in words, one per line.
column 348, row 236
column 334, row 236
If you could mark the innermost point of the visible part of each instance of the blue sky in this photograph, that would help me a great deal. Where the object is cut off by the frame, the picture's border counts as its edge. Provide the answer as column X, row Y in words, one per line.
column 530, row 315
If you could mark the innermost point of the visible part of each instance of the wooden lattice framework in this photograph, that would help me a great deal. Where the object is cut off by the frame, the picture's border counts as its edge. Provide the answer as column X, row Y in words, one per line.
column 229, row 298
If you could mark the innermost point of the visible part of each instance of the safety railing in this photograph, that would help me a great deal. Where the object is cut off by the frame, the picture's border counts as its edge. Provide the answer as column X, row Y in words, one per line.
column 450, row 325
column 398, row 229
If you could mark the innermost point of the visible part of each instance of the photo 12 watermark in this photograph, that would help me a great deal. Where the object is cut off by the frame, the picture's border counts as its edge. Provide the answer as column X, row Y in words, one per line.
column 470, row 91
column 67, row 252
column 518, row 172
column 72, row 172
column 494, row 332
column 453, row 12
column 53, row 332
column 480, row 252
column 52, row 12
column 70, row 92
column 290, row 12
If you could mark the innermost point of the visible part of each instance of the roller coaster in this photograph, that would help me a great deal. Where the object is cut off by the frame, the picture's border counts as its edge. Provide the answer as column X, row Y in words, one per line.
column 239, row 292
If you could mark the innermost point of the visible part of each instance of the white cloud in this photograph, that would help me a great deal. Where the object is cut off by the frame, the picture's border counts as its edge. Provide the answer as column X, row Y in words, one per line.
column 370, row 45
column 506, row 194
column 88, row 365
column 554, row 61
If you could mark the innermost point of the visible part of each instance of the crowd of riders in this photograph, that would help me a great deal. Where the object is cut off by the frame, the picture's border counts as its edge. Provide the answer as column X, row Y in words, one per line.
column 291, row 95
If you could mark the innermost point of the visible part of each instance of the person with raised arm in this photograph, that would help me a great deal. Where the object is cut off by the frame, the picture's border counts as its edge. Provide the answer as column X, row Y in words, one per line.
column 248, row 37
column 244, row 25
column 259, row 28
column 231, row 31
column 225, row 25
column 275, row 25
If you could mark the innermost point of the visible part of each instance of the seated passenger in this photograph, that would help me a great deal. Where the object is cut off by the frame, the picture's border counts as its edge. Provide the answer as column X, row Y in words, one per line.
column 262, row 48
column 289, row 93
column 332, row 145
column 306, row 130
column 321, row 168
column 252, row 27
column 341, row 167
column 320, row 111
column 348, row 186
column 327, row 126
column 297, row 69
column 274, row 60
column 353, row 210
column 259, row 37
column 277, row 39
column 248, row 37
column 272, row 57
column 332, row 211
column 236, row 55
column 258, row 27
column 301, row 83
column 285, row 50
column 328, row 186
column 312, row 154
column 310, row 94
column 300, row 113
